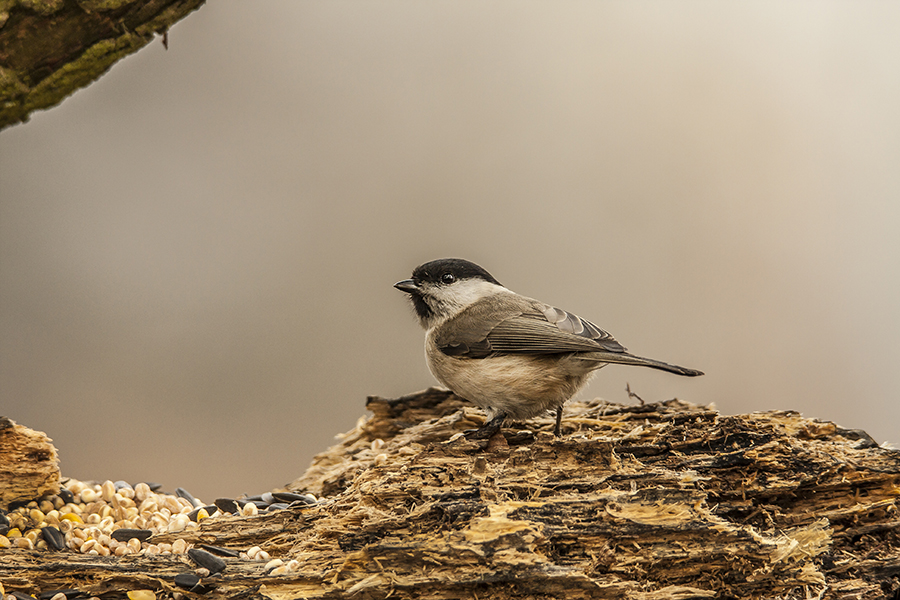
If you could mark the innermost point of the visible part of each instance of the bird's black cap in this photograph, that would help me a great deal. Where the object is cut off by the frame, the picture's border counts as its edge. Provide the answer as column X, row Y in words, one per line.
column 460, row 269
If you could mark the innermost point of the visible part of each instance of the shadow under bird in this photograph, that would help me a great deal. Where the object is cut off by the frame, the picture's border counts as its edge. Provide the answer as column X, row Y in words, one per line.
column 511, row 355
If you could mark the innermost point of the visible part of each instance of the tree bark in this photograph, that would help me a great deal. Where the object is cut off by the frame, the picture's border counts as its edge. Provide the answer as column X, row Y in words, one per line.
column 665, row 500
column 29, row 467
column 51, row 48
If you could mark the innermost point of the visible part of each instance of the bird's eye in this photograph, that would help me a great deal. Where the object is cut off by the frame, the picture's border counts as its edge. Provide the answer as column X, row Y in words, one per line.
column 448, row 278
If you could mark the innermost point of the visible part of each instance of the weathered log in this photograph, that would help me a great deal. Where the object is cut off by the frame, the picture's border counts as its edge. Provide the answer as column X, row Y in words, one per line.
column 29, row 467
column 51, row 48
column 665, row 500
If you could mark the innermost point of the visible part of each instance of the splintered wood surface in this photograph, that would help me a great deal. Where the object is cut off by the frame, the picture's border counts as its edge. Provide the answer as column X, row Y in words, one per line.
column 29, row 466
column 665, row 500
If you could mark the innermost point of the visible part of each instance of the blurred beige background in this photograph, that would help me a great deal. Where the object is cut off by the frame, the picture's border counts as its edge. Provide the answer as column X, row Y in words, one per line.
column 197, row 251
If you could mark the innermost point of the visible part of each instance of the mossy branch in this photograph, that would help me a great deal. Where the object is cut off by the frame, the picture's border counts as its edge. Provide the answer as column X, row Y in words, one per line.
column 51, row 48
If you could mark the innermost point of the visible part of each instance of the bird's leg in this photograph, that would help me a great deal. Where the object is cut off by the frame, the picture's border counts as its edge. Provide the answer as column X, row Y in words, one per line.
column 556, row 430
column 488, row 429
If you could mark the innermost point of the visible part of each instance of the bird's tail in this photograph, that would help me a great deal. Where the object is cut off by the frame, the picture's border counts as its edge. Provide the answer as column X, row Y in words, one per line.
column 623, row 358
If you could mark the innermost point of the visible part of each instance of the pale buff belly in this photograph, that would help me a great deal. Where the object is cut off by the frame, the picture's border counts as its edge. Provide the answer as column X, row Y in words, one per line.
column 521, row 386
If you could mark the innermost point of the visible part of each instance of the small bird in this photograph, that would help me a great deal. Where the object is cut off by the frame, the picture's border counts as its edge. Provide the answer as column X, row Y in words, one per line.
column 511, row 355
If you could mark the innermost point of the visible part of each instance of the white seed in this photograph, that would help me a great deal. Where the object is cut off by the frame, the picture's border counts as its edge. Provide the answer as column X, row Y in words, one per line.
column 179, row 546
column 151, row 549
column 148, row 506
column 172, row 504
column 293, row 565
column 59, row 596
column 249, row 510
column 275, row 562
column 24, row 542
column 141, row 491
column 178, row 523
column 106, row 524
column 88, row 546
column 89, row 495
column 380, row 459
column 134, row 545
column 377, row 444
column 282, row 570
column 165, row 548
column 252, row 552
column 107, row 490
column 101, row 550
column 201, row 572
column 76, row 534
column 262, row 555
column 75, row 486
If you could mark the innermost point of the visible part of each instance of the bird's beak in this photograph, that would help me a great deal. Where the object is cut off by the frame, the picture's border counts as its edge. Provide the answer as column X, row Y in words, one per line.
column 407, row 285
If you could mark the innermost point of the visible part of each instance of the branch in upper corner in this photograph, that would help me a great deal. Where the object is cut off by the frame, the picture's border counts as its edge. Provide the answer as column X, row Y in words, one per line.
column 50, row 50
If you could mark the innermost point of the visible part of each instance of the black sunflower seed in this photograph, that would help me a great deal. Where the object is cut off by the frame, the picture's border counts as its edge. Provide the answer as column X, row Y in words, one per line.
column 183, row 493
column 227, row 505
column 54, row 537
column 292, row 497
column 186, row 580
column 123, row 535
column 207, row 560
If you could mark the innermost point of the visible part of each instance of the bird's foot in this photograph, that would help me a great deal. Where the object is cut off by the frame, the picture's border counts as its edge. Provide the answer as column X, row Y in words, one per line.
column 487, row 430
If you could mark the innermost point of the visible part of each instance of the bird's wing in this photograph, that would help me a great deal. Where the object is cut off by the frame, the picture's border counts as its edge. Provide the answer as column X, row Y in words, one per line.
column 535, row 328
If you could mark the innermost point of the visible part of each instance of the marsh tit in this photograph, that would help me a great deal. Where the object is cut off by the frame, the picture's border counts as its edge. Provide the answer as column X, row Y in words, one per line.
column 510, row 355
